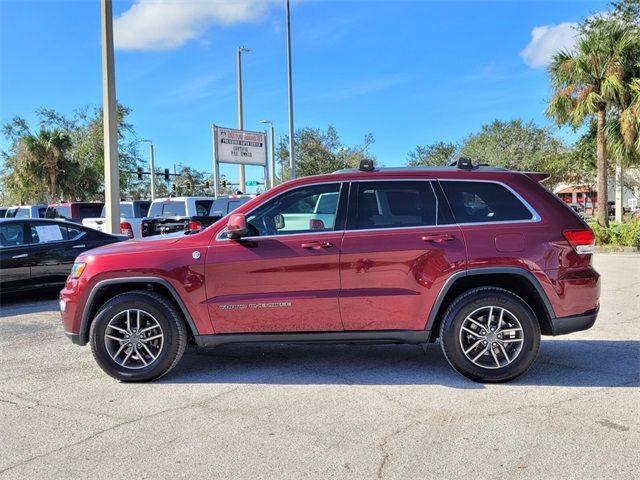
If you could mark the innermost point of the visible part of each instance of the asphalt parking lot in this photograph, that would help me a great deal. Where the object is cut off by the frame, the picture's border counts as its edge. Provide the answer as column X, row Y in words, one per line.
column 325, row 411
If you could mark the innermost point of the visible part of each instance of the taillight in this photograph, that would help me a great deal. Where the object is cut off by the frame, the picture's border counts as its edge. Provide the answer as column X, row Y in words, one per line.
column 582, row 241
column 126, row 229
column 194, row 225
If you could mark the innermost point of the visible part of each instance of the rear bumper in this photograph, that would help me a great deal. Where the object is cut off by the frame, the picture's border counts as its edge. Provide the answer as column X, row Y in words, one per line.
column 574, row 323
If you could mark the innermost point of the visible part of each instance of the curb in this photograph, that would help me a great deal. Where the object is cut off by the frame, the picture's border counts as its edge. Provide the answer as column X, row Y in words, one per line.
column 614, row 249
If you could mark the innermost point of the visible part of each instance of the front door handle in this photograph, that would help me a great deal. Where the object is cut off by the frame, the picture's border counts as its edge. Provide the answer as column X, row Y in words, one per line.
column 79, row 246
column 314, row 245
column 22, row 255
column 438, row 238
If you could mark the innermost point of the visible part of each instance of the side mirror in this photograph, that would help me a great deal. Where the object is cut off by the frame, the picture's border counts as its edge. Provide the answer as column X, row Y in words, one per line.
column 237, row 226
column 278, row 221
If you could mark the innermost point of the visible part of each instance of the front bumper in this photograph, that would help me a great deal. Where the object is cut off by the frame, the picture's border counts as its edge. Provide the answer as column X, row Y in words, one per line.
column 574, row 323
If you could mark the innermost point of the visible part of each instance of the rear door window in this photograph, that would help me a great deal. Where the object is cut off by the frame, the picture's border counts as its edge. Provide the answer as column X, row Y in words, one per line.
column 392, row 204
column 480, row 202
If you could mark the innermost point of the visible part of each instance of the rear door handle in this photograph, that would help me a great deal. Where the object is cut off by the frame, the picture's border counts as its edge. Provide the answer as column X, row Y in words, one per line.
column 314, row 245
column 22, row 255
column 79, row 246
column 438, row 238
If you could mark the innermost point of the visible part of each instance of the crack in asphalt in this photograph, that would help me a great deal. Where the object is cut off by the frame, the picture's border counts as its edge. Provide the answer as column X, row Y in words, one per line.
column 113, row 427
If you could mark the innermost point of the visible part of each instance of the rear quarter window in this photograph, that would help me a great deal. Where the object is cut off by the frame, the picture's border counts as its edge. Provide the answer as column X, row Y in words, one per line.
column 481, row 202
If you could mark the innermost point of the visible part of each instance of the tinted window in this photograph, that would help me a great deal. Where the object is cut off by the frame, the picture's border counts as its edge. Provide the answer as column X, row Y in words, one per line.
column 143, row 209
column 203, row 207
column 126, row 210
column 295, row 212
column 167, row 209
column 58, row 212
column 93, row 211
column 42, row 211
column 74, row 233
column 17, row 212
column 392, row 205
column 11, row 234
column 474, row 202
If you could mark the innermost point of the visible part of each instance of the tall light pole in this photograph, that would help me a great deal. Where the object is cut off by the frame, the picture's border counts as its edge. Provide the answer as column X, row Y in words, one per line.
column 109, row 120
column 272, row 163
column 239, row 59
column 292, row 157
column 152, row 167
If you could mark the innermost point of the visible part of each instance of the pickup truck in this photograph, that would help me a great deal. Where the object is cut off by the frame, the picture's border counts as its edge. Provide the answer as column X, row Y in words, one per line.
column 131, row 215
column 25, row 211
column 174, row 214
column 73, row 211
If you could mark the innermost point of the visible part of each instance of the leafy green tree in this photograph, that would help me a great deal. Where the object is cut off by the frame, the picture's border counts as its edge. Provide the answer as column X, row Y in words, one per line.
column 589, row 80
column 319, row 152
column 65, row 157
column 435, row 154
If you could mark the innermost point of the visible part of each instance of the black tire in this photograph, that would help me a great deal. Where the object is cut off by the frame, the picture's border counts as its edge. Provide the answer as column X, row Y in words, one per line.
column 477, row 301
column 170, row 348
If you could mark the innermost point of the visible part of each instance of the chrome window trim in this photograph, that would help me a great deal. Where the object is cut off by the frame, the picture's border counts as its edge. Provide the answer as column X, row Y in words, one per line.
column 534, row 214
column 535, row 217
column 339, row 182
column 404, row 179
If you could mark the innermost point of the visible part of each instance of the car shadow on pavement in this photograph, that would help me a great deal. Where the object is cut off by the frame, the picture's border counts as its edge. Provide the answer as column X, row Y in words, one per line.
column 570, row 363
column 37, row 301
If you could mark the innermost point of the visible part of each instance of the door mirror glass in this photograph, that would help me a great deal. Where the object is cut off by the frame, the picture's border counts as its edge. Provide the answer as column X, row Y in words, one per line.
column 237, row 226
column 278, row 220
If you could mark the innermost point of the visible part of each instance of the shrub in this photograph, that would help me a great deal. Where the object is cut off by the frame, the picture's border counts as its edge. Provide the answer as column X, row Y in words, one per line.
column 618, row 234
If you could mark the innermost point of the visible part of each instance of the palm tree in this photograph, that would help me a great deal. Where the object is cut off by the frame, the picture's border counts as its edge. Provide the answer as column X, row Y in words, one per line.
column 588, row 80
column 46, row 150
column 623, row 135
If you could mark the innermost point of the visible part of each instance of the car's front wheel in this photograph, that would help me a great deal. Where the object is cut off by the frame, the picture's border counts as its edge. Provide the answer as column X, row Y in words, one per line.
column 490, row 335
column 137, row 336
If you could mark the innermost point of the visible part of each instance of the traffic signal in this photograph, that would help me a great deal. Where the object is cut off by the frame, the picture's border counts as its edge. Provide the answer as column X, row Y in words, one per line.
column 173, row 188
column 166, row 175
column 224, row 184
column 188, row 184
column 207, row 184
column 139, row 173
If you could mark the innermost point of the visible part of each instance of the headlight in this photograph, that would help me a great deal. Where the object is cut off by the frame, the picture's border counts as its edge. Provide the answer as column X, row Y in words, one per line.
column 77, row 269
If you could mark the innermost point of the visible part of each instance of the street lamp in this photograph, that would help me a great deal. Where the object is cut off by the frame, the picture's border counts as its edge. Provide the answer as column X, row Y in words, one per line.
column 152, row 167
column 239, row 61
column 292, row 156
column 272, row 163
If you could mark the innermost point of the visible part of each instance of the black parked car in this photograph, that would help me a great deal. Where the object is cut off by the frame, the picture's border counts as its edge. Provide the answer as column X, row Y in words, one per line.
column 39, row 252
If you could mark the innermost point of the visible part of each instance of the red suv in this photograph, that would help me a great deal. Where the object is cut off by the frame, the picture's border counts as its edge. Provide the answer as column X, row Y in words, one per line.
column 482, row 258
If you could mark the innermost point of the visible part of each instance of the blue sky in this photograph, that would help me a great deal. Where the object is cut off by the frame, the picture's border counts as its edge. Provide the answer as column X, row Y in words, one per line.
column 409, row 72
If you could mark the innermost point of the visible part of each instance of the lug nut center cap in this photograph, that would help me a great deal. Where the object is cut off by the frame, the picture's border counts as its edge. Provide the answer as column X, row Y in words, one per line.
column 491, row 337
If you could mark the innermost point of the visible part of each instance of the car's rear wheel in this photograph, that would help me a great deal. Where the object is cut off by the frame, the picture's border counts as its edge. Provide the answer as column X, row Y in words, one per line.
column 490, row 335
column 137, row 336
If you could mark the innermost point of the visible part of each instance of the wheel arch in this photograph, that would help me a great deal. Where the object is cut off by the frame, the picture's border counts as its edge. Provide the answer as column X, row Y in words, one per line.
column 106, row 289
column 516, row 280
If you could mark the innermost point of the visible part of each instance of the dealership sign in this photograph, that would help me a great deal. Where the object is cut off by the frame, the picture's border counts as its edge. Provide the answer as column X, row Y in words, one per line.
column 240, row 146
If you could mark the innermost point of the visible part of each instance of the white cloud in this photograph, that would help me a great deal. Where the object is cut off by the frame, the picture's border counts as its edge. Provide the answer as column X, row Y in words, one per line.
column 169, row 24
column 546, row 41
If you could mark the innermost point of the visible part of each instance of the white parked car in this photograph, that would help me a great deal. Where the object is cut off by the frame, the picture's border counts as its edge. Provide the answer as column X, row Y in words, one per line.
column 131, row 215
